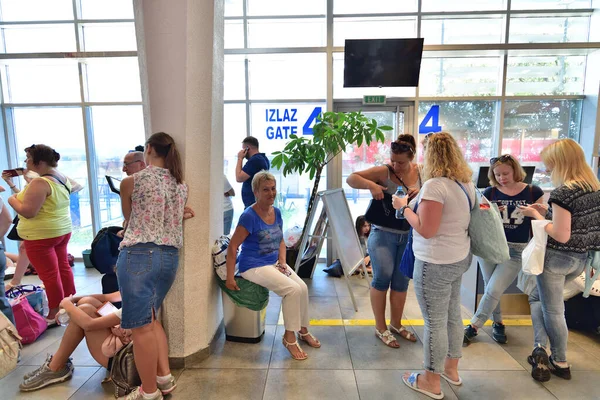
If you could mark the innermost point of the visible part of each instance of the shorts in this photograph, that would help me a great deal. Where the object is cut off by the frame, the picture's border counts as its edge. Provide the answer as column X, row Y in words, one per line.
column 145, row 273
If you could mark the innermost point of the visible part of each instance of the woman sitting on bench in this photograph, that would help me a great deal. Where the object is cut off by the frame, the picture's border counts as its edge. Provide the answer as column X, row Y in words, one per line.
column 262, row 261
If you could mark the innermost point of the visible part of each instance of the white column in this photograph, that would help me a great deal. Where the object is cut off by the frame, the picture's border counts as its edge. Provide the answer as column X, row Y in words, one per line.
column 180, row 44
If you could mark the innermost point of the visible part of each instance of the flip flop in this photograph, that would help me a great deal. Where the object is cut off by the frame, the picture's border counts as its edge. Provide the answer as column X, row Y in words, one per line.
column 450, row 381
column 411, row 382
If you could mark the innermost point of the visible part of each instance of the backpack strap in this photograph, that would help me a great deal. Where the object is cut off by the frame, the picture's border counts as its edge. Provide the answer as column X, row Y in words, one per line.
column 466, row 194
column 59, row 181
column 390, row 169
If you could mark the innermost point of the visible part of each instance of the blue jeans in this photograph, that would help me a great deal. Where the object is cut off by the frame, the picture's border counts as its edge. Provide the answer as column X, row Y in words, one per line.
column 498, row 278
column 5, row 307
column 438, row 291
column 145, row 272
column 386, row 249
column 547, row 303
column 227, row 221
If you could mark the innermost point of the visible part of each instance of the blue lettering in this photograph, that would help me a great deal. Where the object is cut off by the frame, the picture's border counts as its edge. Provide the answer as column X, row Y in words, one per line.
column 286, row 115
column 294, row 111
column 294, row 130
column 271, row 115
column 433, row 115
column 306, row 129
column 267, row 114
column 270, row 134
column 278, row 117
column 278, row 134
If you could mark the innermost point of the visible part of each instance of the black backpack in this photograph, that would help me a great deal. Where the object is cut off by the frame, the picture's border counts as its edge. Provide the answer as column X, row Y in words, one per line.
column 105, row 249
column 123, row 373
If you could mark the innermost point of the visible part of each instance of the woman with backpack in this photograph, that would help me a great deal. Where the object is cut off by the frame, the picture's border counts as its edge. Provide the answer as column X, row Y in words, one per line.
column 153, row 202
column 509, row 192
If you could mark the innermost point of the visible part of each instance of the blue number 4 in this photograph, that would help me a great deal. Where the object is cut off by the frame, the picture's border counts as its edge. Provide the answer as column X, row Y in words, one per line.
column 433, row 117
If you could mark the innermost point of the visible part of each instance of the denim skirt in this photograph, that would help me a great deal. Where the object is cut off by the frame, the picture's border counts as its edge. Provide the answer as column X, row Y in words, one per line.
column 145, row 272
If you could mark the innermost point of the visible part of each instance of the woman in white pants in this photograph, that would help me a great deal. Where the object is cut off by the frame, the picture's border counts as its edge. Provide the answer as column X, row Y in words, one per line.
column 262, row 261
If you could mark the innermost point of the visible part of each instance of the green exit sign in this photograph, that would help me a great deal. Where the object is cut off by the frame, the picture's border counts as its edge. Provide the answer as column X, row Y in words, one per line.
column 373, row 99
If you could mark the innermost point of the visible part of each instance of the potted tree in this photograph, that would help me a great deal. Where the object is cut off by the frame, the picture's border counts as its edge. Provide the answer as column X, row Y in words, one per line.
column 332, row 134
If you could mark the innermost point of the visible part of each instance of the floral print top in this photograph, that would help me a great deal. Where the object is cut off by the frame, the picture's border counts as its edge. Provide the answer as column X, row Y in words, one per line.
column 157, row 204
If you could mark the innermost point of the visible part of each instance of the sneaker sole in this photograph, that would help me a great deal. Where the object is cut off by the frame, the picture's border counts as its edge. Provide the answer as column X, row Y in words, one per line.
column 48, row 383
column 168, row 391
column 540, row 371
column 504, row 341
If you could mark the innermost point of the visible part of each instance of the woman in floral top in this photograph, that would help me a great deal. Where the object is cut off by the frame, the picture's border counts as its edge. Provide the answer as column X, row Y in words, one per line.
column 153, row 202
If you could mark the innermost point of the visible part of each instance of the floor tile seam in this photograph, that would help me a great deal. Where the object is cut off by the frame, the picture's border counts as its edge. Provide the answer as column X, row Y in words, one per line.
column 86, row 381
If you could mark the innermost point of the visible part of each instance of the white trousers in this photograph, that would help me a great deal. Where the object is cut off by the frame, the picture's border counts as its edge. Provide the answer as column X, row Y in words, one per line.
column 292, row 289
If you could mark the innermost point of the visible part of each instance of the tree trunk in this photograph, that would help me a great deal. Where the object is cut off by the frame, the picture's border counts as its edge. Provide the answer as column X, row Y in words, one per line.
column 311, row 202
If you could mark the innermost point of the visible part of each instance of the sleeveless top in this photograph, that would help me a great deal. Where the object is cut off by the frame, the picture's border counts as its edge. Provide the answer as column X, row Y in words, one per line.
column 392, row 187
column 53, row 219
column 157, row 204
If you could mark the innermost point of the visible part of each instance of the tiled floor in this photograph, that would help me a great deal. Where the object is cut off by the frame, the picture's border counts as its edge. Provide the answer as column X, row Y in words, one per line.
column 352, row 364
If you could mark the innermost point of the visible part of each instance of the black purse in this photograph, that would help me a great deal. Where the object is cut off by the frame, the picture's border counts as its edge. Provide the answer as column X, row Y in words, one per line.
column 382, row 212
column 13, row 234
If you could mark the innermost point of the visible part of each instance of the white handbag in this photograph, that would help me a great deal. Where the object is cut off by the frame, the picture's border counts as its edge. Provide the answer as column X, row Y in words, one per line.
column 10, row 344
column 535, row 251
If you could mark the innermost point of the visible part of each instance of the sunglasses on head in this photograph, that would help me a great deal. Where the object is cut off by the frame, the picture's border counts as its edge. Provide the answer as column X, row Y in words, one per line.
column 502, row 158
column 401, row 148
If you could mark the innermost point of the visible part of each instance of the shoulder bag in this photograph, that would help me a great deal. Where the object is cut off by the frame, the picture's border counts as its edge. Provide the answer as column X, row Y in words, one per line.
column 382, row 213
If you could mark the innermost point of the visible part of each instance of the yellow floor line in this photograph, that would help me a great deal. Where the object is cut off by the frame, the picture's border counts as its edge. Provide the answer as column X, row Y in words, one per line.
column 413, row 322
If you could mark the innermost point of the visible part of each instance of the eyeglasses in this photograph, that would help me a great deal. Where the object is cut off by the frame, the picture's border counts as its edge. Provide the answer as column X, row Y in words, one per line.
column 502, row 158
column 127, row 164
column 401, row 148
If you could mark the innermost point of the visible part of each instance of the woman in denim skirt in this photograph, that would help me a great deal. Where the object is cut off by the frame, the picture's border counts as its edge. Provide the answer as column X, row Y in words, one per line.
column 573, row 232
column 153, row 202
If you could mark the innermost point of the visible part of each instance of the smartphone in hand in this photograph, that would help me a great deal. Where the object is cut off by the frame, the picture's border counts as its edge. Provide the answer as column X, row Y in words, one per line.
column 14, row 172
column 106, row 309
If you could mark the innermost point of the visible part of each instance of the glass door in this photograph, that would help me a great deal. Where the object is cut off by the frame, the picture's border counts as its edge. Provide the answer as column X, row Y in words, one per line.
column 355, row 158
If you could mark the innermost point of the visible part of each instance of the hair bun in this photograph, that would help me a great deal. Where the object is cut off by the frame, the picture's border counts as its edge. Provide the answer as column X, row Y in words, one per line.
column 56, row 155
column 408, row 139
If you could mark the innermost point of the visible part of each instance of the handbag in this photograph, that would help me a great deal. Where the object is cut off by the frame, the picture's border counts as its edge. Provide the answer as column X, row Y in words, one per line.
column 36, row 296
column 14, row 234
column 486, row 232
column 10, row 344
column 382, row 212
column 532, row 258
column 407, row 263
column 123, row 373
column 30, row 324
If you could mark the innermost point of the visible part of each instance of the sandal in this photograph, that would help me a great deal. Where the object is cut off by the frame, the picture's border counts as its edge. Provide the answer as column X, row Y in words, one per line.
column 404, row 333
column 387, row 338
column 411, row 382
column 302, row 356
column 302, row 336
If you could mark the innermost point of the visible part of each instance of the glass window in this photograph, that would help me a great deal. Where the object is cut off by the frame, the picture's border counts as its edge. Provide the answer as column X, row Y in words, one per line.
column 106, row 9
column 549, row 29
column 478, row 76
column 234, row 34
column 288, row 76
column 463, row 30
column 529, row 126
column 117, row 130
column 113, row 79
column 234, row 8
column 303, row 32
column 474, row 5
column 472, row 123
column 41, row 81
column 39, row 38
column 373, row 6
column 550, row 75
column 108, row 37
column 234, row 131
column 62, row 129
column 235, row 78
column 549, row 4
column 36, row 10
column 272, row 124
column 340, row 92
column 287, row 7
column 373, row 28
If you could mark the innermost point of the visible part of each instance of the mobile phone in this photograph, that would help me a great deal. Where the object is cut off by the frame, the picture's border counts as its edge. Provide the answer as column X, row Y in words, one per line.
column 106, row 309
column 14, row 172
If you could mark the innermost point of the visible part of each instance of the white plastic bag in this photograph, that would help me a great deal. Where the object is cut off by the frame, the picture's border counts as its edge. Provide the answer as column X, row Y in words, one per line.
column 526, row 283
column 535, row 251
column 219, row 254
column 292, row 236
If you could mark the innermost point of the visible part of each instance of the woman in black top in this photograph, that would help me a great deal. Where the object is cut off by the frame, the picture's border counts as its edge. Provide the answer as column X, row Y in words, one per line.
column 573, row 232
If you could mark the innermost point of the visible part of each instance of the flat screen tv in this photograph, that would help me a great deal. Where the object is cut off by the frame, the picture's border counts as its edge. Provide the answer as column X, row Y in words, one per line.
column 483, row 181
column 382, row 62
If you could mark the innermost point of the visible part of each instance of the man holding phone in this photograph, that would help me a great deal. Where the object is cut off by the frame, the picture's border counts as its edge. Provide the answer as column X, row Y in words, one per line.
column 256, row 162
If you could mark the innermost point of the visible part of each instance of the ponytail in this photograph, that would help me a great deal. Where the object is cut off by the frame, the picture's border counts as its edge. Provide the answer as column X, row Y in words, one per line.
column 165, row 146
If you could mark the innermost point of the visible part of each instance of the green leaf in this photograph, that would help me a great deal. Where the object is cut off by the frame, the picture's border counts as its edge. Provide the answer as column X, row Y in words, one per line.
column 386, row 128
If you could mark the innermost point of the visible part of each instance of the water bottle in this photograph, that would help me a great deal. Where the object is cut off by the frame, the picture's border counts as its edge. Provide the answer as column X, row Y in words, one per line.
column 63, row 317
column 400, row 193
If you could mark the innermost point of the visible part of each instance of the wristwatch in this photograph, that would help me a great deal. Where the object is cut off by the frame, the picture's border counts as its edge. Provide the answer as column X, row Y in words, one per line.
column 402, row 210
